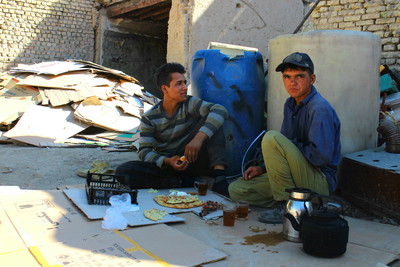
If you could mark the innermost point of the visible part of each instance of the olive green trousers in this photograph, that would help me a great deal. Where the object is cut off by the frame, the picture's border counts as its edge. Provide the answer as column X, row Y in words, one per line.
column 286, row 168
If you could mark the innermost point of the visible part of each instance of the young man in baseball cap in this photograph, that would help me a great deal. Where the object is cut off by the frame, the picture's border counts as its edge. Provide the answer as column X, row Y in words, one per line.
column 305, row 153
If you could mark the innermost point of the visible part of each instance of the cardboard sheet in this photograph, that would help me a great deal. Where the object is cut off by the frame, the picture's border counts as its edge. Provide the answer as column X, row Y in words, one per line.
column 49, row 67
column 69, row 81
column 10, row 239
column 145, row 201
column 19, row 258
column 144, row 246
column 15, row 101
column 135, row 218
column 45, row 229
column 45, row 124
column 41, row 217
column 106, row 115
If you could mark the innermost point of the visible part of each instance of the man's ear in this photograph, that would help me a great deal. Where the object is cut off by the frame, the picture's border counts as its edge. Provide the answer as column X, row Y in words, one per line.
column 164, row 88
column 313, row 78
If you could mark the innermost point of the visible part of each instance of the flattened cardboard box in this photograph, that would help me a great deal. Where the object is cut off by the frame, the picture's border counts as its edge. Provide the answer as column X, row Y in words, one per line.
column 153, row 245
column 145, row 199
column 10, row 239
column 42, row 217
column 95, row 212
column 54, row 231
column 19, row 258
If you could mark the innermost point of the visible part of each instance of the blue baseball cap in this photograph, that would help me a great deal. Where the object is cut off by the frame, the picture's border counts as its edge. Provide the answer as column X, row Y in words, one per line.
column 297, row 59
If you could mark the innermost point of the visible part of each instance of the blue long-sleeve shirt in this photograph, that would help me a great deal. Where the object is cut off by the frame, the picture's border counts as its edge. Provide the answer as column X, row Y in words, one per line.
column 314, row 127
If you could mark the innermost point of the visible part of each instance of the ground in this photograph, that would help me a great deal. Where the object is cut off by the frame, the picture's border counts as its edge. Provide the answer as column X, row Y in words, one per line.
column 51, row 168
column 48, row 168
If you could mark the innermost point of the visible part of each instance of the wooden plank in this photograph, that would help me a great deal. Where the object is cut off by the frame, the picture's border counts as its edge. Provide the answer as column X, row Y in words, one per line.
column 129, row 6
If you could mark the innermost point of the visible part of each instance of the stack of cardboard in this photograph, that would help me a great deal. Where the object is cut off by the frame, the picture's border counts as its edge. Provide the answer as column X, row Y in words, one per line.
column 51, row 103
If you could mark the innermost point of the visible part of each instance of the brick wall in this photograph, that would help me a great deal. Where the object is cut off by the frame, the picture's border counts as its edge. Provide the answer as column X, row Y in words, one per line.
column 381, row 17
column 33, row 31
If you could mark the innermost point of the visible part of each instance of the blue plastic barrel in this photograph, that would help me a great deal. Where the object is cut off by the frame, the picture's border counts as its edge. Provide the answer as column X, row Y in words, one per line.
column 237, row 83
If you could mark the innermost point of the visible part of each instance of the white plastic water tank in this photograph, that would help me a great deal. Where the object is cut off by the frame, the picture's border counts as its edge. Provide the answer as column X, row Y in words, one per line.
column 346, row 65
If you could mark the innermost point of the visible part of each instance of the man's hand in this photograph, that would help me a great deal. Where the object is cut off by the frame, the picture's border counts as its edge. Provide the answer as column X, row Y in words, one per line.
column 252, row 172
column 193, row 147
column 176, row 163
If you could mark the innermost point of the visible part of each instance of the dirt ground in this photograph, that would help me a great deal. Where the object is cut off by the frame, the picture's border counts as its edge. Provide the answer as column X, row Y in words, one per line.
column 48, row 168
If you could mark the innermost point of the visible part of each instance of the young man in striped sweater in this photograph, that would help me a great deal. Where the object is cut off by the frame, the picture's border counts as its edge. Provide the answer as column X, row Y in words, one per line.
column 179, row 125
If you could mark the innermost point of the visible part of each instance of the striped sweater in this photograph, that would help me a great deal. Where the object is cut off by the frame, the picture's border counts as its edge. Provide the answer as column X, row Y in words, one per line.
column 161, row 136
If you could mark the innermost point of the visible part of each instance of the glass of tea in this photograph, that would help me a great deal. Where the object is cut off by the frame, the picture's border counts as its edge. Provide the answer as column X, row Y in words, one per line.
column 201, row 187
column 242, row 210
column 229, row 214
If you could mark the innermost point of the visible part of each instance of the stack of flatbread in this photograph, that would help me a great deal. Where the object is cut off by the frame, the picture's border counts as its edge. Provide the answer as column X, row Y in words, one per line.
column 179, row 202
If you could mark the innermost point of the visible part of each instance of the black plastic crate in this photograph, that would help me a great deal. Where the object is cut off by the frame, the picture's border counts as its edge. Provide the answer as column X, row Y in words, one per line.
column 100, row 187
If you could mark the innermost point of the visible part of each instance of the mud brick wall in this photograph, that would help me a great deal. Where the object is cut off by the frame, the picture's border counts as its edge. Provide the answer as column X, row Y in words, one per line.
column 33, row 31
column 381, row 17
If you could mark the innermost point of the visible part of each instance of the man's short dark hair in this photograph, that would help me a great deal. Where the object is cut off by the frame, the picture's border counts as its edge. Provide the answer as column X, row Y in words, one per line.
column 162, row 74
column 295, row 67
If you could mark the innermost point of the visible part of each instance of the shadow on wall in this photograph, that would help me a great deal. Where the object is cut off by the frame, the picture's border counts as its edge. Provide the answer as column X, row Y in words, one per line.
column 245, row 23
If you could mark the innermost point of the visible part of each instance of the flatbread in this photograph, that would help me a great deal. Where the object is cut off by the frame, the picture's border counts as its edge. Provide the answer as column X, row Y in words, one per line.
column 179, row 202
column 155, row 214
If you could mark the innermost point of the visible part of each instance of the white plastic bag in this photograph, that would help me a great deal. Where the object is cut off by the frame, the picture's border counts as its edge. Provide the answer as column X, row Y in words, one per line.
column 114, row 219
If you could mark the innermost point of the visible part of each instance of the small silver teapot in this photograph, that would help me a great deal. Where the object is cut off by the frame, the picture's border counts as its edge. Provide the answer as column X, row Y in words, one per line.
column 298, row 206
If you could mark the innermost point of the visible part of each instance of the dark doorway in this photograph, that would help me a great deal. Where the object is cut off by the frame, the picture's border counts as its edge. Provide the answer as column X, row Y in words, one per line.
column 137, row 41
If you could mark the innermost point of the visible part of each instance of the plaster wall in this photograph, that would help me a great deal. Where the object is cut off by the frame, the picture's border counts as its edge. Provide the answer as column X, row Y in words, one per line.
column 195, row 23
column 178, row 35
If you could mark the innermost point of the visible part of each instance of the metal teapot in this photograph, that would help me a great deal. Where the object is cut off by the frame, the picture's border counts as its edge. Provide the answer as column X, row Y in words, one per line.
column 298, row 205
column 325, row 233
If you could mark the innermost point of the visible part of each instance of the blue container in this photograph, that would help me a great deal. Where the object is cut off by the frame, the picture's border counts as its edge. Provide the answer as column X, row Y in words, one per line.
column 237, row 83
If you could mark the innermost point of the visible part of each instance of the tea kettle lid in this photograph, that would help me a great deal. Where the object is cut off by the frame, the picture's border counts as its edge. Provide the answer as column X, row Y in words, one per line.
column 300, row 193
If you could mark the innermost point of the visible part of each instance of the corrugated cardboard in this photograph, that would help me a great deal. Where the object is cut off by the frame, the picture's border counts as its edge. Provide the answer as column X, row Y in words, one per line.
column 146, row 201
column 156, row 245
column 54, row 232
column 45, row 124
column 20, row 258
column 10, row 239
column 135, row 218
column 42, row 217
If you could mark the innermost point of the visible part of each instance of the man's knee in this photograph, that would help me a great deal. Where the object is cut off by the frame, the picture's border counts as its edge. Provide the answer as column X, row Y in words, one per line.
column 235, row 189
column 269, row 139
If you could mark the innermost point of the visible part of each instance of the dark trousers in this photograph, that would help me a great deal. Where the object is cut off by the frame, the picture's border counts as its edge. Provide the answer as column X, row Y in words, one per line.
column 141, row 174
